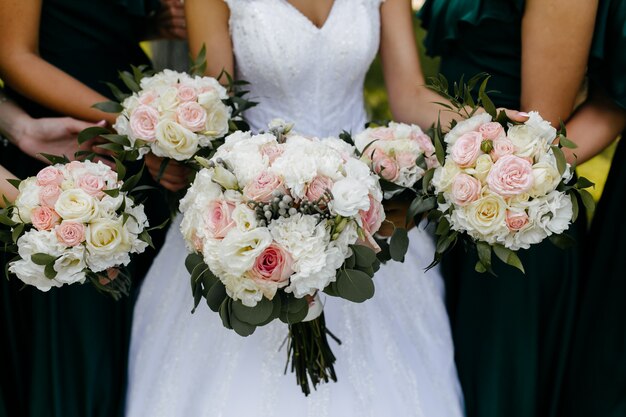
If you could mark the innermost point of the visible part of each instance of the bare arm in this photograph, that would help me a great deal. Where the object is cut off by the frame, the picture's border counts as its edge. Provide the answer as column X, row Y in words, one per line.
column 594, row 126
column 556, row 37
column 6, row 189
column 409, row 99
column 30, row 75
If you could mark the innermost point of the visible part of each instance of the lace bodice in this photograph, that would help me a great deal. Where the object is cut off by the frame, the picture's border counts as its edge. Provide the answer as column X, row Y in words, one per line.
column 301, row 73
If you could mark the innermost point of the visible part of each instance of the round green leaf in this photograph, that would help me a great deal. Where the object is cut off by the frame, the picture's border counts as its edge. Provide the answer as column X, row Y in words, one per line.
column 253, row 315
column 294, row 310
column 192, row 261
column 216, row 295
column 355, row 285
column 364, row 256
column 240, row 327
column 399, row 244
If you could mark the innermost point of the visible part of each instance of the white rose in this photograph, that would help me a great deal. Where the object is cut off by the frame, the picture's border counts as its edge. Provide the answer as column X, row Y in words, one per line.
column 487, row 214
column 244, row 217
column 110, row 205
column 239, row 250
column 443, row 177
column 174, row 141
column 137, row 220
column 76, row 205
column 349, row 196
column 168, row 101
column 470, row 125
column 483, row 166
column 217, row 119
column 70, row 265
column 526, row 141
column 122, row 127
column 542, row 129
column 107, row 244
column 546, row 179
column 27, row 200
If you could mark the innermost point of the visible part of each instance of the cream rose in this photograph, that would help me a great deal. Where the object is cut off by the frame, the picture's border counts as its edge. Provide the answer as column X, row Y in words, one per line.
column 175, row 141
column 546, row 179
column 487, row 214
column 77, row 205
column 106, row 237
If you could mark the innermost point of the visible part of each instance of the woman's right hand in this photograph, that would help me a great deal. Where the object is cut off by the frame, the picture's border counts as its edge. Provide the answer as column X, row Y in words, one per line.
column 175, row 176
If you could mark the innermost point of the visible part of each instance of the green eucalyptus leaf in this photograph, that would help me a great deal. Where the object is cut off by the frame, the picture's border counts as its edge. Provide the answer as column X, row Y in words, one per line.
column 364, row 256
column 293, row 310
column 354, row 285
column 584, row 183
column 17, row 232
column 398, row 244
column 509, row 257
column 566, row 143
column 484, row 254
column 588, row 201
column 575, row 208
column 253, row 315
column 561, row 162
column 49, row 271
column 241, row 328
column 216, row 296
column 563, row 241
column 225, row 312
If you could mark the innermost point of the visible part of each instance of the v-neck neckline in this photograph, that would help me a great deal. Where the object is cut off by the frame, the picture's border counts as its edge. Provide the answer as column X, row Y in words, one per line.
column 310, row 22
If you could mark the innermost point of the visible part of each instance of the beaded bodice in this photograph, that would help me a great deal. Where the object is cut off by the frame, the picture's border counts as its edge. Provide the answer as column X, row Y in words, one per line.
column 301, row 73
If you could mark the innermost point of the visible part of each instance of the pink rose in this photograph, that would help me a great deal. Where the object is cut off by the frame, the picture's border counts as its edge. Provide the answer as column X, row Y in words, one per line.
column 406, row 160
column 424, row 142
column 192, row 116
column 371, row 220
column 516, row 220
column 318, row 188
column 272, row 151
column 148, row 97
column 466, row 149
column 501, row 147
column 187, row 93
column 491, row 131
column 385, row 166
column 382, row 133
column 49, row 176
column 218, row 219
column 49, row 195
column 510, row 176
column 70, row 233
column 143, row 123
column 465, row 189
column 260, row 189
column 44, row 218
column 273, row 264
column 92, row 184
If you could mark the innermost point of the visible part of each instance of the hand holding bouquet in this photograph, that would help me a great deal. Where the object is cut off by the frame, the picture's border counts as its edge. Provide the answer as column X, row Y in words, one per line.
column 75, row 222
column 273, row 220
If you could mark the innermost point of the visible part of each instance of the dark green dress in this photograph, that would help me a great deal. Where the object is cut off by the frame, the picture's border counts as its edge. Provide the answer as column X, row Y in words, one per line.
column 511, row 332
column 63, row 353
column 595, row 384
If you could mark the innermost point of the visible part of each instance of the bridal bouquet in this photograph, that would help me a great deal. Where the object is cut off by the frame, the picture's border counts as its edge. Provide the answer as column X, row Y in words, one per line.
column 75, row 222
column 271, row 221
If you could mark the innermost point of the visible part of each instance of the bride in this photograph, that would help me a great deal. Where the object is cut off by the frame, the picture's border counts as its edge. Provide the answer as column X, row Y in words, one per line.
column 306, row 62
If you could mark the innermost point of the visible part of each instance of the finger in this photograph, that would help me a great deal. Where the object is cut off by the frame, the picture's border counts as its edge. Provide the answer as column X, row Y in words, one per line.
column 516, row 116
column 75, row 126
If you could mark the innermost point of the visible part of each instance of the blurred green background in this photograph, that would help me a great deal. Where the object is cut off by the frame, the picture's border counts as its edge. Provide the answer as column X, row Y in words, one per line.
column 595, row 169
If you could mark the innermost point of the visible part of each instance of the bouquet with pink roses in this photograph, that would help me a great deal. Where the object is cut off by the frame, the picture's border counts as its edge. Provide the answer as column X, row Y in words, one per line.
column 271, row 221
column 75, row 222
column 504, row 185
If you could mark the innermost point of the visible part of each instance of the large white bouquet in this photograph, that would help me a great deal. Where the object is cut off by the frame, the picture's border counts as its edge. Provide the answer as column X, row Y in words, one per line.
column 75, row 222
column 275, row 219
column 174, row 115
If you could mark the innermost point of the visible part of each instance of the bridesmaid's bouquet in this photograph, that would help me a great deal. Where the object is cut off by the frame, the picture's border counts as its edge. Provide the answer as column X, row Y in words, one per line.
column 402, row 156
column 174, row 115
column 504, row 185
column 72, row 223
column 272, row 220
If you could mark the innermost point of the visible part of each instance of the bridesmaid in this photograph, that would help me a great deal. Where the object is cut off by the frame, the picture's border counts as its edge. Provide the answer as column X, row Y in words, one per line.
column 512, row 332
column 65, row 351
column 595, row 383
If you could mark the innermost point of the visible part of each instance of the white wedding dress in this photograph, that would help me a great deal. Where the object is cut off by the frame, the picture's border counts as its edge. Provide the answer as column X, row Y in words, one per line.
column 396, row 356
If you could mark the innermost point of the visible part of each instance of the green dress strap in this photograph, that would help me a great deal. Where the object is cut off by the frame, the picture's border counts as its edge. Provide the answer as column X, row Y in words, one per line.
column 607, row 66
column 443, row 18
